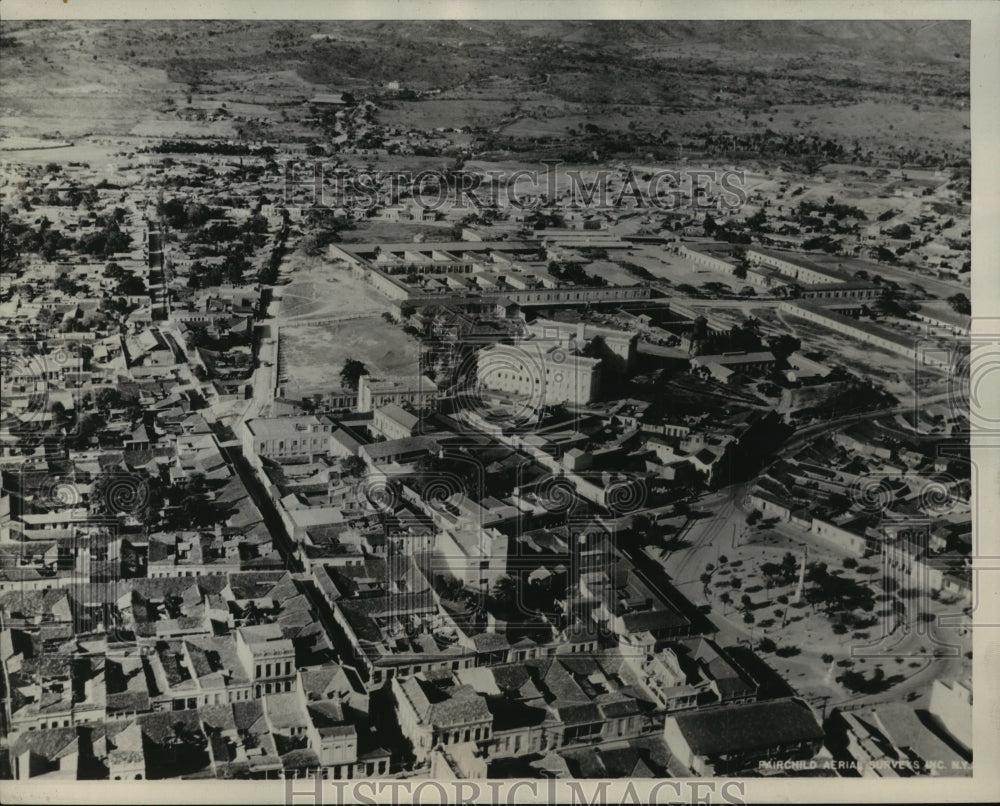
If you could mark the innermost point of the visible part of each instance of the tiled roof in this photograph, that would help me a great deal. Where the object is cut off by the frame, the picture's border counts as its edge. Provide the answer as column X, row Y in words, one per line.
column 511, row 677
column 51, row 744
column 619, row 708
column 579, row 713
column 747, row 727
column 490, row 642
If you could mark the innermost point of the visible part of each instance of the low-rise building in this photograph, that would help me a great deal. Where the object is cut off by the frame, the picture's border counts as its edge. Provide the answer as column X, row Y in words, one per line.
column 435, row 709
column 544, row 374
column 729, row 739
column 268, row 656
column 301, row 437
column 394, row 422
column 418, row 391
column 794, row 266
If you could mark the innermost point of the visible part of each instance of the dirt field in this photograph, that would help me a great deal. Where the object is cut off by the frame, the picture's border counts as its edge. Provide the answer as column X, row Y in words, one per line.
column 319, row 289
column 679, row 270
column 314, row 344
column 612, row 272
column 315, row 355
column 870, row 120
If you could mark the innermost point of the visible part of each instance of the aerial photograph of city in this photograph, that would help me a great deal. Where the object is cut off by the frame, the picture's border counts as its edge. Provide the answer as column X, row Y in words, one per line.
column 486, row 399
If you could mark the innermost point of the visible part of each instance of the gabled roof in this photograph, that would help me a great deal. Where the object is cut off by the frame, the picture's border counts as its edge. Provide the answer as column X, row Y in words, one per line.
column 51, row 744
column 747, row 727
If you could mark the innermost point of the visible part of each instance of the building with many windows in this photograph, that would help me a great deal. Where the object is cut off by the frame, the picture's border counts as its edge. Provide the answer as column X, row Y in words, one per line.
column 302, row 437
column 416, row 390
column 269, row 656
column 435, row 709
column 545, row 374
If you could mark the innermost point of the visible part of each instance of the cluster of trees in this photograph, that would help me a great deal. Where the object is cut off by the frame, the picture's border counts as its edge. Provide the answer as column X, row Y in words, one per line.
column 783, row 573
column 190, row 505
column 198, row 337
column 900, row 232
column 221, row 149
column 104, row 242
column 229, row 271
column 183, row 215
column 882, row 255
column 86, row 423
column 832, row 207
column 352, row 466
column 822, row 243
column 453, row 472
column 73, row 197
column 769, row 143
column 128, row 284
column 185, row 505
column 574, row 274
column 268, row 275
column 836, row 593
column 732, row 233
column 859, row 684
column 103, row 239
column 960, row 304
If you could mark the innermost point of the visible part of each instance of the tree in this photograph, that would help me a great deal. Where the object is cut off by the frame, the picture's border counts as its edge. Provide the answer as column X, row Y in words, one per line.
column 130, row 285
column 505, row 590
column 449, row 474
column 772, row 572
column 784, row 345
column 758, row 222
column 196, row 510
column 960, row 304
column 86, row 429
column 766, row 645
column 726, row 600
column 66, row 284
column 116, row 492
column 58, row 412
column 788, row 564
column 351, row 373
column 352, row 466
